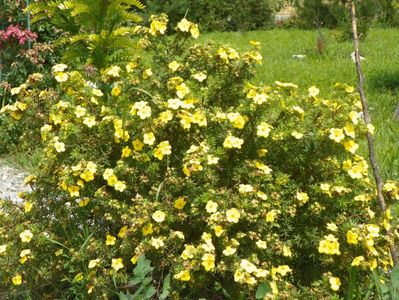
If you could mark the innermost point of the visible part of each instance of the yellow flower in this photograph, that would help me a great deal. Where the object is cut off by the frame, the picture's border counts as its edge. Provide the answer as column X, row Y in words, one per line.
column 87, row 176
column 329, row 245
column 208, row 261
column 157, row 26
column 247, row 266
column 194, row 31
column 239, row 275
column 283, row 270
column 184, row 25
column 3, row 249
column 299, row 110
column 73, row 191
column 180, row 203
column 17, row 280
column 61, row 77
column 351, row 146
column 120, row 186
column 352, row 237
column 126, row 152
column 183, row 275
column 370, row 128
column 287, row 251
column 188, row 252
column 59, row 68
column 59, row 146
column 271, row 215
column 157, row 243
column 113, row 71
column 93, row 263
column 130, row 67
column 159, row 216
column 147, row 230
column 218, row 230
column 212, row 160
column 261, row 244
column 137, row 145
column 165, row 116
column 236, row 119
column 182, row 90
column 211, row 207
column 80, row 111
column 372, row 264
column 122, row 232
column 116, row 91
column 245, row 188
column 108, row 173
column 313, row 91
column 83, row 202
column 149, row 138
column 332, row 227
column 174, row 66
column 356, row 172
column 357, row 260
column 263, row 129
column 89, row 121
column 144, row 112
column 335, row 283
column 229, row 251
column 147, row 73
column 200, row 76
column 349, row 130
column 302, row 197
column 117, row 263
column 24, row 255
column 336, row 134
column 163, row 148
column 97, row 92
column 26, row 236
column 28, row 206
column 233, row 142
column 134, row 259
column 349, row 89
column 353, row 116
column 110, row 240
column 233, row 215
column 297, row 135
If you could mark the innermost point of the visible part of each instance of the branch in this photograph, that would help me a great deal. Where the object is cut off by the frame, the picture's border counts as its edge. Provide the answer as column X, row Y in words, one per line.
column 366, row 116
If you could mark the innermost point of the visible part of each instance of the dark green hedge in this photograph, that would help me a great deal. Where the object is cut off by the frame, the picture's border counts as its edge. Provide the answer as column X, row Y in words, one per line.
column 216, row 15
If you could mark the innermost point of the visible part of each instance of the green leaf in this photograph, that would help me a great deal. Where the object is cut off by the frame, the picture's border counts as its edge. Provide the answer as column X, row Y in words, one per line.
column 149, row 292
column 123, row 296
column 165, row 289
column 262, row 290
column 143, row 267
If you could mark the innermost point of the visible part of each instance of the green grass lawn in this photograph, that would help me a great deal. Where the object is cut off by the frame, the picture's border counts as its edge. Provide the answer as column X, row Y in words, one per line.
column 381, row 68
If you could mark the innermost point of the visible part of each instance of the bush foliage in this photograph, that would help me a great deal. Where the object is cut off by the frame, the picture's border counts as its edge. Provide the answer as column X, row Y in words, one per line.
column 221, row 15
column 237, row 191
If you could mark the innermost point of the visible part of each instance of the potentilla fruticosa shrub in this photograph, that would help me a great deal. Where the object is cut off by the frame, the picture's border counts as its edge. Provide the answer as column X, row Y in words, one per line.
column 231, row 188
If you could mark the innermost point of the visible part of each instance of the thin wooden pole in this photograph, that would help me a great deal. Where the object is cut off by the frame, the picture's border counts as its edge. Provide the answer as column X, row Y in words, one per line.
column 367, row 120
column 28, row 24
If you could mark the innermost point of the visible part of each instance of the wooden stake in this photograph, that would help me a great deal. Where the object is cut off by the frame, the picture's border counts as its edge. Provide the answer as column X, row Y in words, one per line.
column 366, row 116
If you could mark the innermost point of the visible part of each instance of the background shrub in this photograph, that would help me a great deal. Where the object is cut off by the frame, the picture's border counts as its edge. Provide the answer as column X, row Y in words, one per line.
column 221, row 15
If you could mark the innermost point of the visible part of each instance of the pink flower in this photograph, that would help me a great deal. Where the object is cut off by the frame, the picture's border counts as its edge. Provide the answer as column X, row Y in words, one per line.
column 14, row 34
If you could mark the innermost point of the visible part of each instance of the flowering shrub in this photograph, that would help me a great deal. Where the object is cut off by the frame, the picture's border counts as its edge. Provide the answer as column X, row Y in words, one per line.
column 13, row 34
column 235, row 190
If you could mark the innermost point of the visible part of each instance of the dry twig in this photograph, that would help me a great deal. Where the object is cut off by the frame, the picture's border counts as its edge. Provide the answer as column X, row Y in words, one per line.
column 366, row 116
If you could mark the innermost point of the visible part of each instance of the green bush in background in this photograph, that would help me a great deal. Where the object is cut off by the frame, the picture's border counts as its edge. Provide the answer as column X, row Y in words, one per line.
column 219, row 15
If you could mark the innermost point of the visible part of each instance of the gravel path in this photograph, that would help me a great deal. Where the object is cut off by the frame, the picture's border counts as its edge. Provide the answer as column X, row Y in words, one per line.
column 11, row 182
